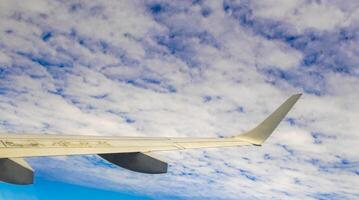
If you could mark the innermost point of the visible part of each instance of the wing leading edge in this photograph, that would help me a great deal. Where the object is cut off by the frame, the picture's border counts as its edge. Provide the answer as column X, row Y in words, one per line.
column 30, row 145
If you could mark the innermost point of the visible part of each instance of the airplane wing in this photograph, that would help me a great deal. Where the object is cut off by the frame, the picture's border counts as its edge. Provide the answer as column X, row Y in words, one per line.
column 128, row 152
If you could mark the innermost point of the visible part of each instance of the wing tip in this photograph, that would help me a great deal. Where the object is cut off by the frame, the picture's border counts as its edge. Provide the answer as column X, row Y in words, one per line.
column 297, row 96
column 258, row 135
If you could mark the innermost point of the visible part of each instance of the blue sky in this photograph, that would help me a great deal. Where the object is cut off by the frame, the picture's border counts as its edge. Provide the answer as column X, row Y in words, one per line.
column 49, row 189
column 186, row 68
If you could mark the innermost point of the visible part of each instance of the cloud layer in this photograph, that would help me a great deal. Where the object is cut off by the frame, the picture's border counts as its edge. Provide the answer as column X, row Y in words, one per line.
column 190, row 68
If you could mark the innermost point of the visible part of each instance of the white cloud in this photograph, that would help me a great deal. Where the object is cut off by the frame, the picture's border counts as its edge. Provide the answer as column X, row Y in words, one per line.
column 164, row 94
column 323, row 16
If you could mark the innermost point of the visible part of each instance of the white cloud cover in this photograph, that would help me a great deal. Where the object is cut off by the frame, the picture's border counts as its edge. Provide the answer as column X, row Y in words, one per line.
column 320, row 15
column 185, row 69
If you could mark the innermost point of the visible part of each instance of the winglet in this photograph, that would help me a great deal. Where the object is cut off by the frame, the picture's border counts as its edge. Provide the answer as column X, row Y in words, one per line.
column 259, row 134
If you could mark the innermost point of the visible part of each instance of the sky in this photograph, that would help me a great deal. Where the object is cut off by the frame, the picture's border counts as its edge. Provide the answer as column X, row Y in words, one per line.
column 186, row 68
